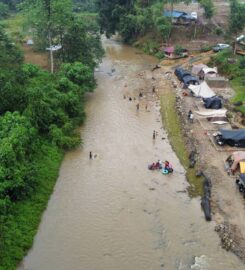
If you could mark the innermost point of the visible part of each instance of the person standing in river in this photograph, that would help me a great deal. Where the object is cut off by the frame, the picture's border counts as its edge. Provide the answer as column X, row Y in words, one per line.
column 138, row 106
column 90, row 155
column 154, row 135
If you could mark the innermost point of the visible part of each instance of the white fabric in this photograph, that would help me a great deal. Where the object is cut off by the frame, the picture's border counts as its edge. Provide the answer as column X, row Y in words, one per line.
column 210, row 70
column 202, row 90
column 212, row 113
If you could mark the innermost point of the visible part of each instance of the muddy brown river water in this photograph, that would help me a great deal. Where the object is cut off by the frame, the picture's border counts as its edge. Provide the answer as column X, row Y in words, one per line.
column 112, row 213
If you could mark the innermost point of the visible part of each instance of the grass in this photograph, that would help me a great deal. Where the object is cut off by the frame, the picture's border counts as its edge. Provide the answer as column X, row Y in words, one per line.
column 238, row 85
column 22, row 223
column 172, row 124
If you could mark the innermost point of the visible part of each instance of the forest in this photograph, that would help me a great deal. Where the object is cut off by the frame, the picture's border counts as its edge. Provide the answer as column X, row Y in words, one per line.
column 40, row 112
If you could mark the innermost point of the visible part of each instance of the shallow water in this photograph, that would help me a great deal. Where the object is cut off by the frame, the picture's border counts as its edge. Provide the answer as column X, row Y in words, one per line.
column 111, row 213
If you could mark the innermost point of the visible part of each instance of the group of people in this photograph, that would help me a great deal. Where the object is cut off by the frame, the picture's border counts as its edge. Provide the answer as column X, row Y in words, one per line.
column 166, row 166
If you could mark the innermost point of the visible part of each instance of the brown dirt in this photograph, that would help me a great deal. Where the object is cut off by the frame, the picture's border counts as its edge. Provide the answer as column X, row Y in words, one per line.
column 226, row 201
column 35, row 57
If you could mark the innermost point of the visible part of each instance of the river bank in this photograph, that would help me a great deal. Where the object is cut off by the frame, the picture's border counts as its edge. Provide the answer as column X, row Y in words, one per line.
column 226, row 203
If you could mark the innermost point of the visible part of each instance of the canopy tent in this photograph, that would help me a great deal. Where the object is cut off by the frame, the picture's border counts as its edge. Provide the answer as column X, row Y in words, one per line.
column 202, row 90
column 236, row 158
column 197, row 68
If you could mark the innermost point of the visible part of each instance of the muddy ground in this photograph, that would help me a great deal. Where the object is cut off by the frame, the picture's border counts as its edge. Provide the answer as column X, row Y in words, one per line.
column 227, row 204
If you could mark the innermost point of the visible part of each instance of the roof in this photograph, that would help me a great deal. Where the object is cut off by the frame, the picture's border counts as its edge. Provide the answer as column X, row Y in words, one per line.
column 174, row 14
column 169, row 50
column 202, row 90
column 233, row 134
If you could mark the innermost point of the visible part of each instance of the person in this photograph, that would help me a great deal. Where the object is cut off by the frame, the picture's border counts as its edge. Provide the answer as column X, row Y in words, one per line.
column 146, row 107
column 140, row 95
column 166, row 165
column 154, row 135
column 152, row 166
column 138, row 106
column 90, row 155
column 153, row 89
column 190, row 116
column 130, row 99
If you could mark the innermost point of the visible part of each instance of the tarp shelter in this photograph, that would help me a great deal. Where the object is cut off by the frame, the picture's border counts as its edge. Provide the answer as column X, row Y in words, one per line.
column 236, row 158
column 189, row 79
column 212, row 103
column 175, row 14
column 211, row 113
column 233, row 137
column 181, row 73
column 242, row 166
column 197, row 68
column 202, row 90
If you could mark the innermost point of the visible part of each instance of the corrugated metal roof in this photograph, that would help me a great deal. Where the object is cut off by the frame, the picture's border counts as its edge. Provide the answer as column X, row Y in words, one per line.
column 175, row 14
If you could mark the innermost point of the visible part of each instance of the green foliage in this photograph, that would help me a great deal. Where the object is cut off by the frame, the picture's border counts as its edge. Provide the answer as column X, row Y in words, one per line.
column 133, row 19
column 206, row 48
column 39, row 115
column 237, row 18
column 19, row 226
column 79, row 44
column 208, row 6
column 4, row 11
column 235, row 71
column 178, row 49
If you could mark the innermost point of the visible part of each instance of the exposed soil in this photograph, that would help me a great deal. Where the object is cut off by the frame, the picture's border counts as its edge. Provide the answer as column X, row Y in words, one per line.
column 226, row 202
column 35, row 57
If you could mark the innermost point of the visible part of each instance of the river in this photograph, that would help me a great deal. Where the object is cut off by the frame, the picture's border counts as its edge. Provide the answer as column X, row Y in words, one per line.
column 111, row 212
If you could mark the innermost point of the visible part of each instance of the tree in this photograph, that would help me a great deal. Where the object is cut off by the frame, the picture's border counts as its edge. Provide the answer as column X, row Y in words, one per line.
column 208, row 8
column 48, row 19
column 79, row 44
column 237, row 18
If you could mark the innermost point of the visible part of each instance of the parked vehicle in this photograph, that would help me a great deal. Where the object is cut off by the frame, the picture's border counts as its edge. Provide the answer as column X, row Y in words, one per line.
column 240, row 181
column 220, row 47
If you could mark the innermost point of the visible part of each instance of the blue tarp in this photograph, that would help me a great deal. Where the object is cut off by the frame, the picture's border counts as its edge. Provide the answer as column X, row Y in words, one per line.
column 175, row 14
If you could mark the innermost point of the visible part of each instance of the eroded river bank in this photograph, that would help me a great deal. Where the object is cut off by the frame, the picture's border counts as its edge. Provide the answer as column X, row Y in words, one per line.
column 111, row 212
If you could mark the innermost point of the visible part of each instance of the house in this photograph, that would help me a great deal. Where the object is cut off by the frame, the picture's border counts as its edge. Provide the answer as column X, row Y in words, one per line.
column 179, row 17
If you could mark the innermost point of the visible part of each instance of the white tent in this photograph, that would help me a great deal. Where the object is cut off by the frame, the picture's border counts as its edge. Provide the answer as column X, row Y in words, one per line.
column 211, row 72
column 211, row 113
column 202, row 90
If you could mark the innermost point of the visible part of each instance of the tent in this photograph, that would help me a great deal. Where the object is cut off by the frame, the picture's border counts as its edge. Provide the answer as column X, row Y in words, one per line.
column 212, row 103
column 181, row 73
column 212, row 113
column 210, row 72
column 197, row 68
column 201, row 90
column 189, row 79
column 236, row 158
column 233, row 137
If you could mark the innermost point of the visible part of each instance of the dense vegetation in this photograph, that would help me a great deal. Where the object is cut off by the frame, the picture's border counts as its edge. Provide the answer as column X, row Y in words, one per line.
column 39, row 113
column 233, row 67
